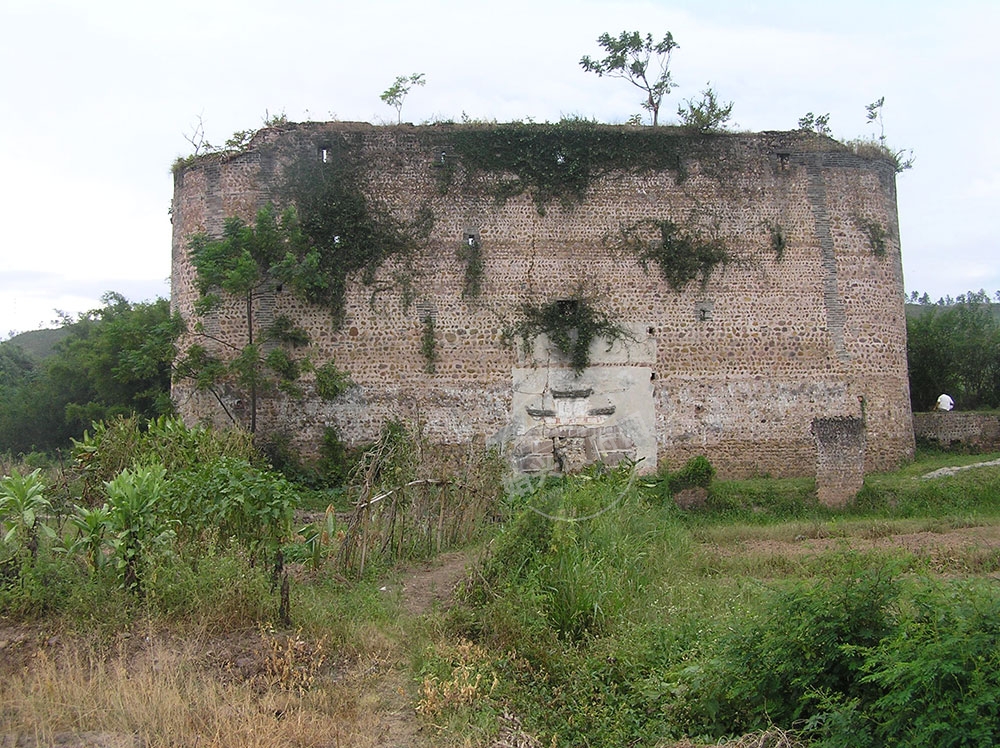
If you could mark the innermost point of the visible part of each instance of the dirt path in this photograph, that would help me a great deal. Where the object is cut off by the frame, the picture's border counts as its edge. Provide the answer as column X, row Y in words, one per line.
column 433, row 584
column 423, row 589
column 945, row 471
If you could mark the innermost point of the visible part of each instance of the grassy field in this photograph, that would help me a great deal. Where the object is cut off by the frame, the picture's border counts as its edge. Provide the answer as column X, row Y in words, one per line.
column 581, row 611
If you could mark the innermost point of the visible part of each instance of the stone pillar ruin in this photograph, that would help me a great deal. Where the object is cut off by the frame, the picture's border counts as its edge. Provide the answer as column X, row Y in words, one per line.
column 840, row 459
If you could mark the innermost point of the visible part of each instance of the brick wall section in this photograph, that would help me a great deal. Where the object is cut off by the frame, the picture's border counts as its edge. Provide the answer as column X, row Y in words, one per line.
column 979, row 432
column 840, row 459
column 818, row 333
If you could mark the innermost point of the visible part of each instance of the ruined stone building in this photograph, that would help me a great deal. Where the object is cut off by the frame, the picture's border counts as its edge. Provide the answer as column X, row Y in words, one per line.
column 744, row 291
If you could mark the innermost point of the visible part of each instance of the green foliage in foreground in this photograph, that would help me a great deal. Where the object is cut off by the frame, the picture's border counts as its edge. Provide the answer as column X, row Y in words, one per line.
column 601, row 620
column 601, row 614
column 125, row 443
column 158, row 519
column 134, row 521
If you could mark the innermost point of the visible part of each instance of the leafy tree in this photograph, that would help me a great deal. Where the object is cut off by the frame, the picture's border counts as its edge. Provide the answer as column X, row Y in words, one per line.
column 245, row 263
column 114, row 360
column 21, row 412
column 874, row 116
column 395, row 94
column 125, row 352
column 820, row 123
column 955, row 348
column 15, row 364
column 640, row 61
column 707, row 114
column 903, row 158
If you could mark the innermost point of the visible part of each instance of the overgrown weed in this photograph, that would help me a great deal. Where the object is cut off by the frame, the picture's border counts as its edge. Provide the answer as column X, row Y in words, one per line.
column 600, row 614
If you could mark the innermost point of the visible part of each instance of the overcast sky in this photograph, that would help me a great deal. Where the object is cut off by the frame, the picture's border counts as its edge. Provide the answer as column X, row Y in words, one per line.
column 97, row 97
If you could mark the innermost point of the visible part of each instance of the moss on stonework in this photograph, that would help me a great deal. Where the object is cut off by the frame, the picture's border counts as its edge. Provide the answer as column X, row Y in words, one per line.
column 559, row 162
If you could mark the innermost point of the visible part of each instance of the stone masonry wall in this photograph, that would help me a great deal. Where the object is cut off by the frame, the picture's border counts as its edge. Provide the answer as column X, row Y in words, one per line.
column 978, row 432
column 840, row 460
column 737, row 368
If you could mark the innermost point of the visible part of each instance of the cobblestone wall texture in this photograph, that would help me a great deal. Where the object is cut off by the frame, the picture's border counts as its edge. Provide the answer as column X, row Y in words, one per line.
column 840, row 464
column 979, row 432
column 739, row 366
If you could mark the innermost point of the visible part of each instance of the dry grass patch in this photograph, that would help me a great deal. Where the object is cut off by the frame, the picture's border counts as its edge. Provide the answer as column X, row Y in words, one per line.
column 270, row 689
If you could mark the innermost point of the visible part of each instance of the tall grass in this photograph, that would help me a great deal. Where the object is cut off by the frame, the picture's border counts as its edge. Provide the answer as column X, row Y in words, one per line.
column 407, row 507
column 641, row 624
column 600, row 613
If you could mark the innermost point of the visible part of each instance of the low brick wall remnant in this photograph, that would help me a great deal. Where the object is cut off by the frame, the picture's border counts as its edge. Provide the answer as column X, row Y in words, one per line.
column 969, row 431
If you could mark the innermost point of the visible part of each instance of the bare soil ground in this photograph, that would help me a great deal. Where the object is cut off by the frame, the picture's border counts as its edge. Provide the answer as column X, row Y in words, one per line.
column 946, row 550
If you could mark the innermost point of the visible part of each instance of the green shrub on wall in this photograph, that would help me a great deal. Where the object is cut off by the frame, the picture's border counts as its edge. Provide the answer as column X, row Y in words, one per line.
column 571, row 324
column 875, row 233
column 680, row 255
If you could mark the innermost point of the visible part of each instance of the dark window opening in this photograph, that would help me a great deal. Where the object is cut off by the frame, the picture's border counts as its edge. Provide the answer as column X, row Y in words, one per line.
column 568, row 307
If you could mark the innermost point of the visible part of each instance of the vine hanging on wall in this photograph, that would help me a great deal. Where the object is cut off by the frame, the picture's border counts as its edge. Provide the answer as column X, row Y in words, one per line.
column 572, row 325
column 471, row 254
column 779, row 242
column 428, row 342
column 344, row 230
column 681, row 256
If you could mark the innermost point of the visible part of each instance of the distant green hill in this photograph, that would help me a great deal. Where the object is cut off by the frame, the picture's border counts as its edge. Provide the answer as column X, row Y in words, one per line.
column 39, row 344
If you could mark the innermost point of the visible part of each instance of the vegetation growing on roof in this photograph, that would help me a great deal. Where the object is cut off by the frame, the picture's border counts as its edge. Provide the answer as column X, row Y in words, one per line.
column 560, row 161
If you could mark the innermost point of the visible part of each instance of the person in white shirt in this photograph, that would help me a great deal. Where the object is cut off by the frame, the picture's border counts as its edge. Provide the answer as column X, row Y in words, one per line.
column 944, row 403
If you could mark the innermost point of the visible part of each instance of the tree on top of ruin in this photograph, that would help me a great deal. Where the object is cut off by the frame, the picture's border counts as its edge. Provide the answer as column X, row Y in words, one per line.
column 395, row 94
column 640, row 61
column 706, row 115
